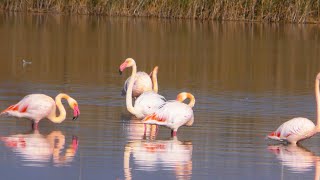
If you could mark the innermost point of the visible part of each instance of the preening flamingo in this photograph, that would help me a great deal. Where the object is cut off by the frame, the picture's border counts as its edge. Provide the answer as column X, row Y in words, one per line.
column 173, row 114
column 298, row 129
column 142, row 83
column 40, row 106
column 147, row 102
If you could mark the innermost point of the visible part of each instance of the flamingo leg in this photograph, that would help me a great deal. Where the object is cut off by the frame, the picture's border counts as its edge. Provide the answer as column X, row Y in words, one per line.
column 145, row 129
column 173, row 133
column 34, row 126
column 157, row 129
column 75, row 143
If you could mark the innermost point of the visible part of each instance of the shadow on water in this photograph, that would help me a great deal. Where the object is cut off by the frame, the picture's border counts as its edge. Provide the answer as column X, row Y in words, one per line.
column 36, row 149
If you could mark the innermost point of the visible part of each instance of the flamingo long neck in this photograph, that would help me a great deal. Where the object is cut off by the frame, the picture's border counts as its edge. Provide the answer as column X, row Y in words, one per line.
column 155, row 80
column 62, row 112
column 183, row 96
column 318, row 102
column 192, row 100
column 129, row 91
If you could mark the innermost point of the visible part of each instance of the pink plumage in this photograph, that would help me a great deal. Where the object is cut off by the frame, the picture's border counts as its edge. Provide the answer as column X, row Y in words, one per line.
column 173, row 114
column 148, row 101
column 294, row 130
column 39, row 106
column 142, row 83
column 298, row 129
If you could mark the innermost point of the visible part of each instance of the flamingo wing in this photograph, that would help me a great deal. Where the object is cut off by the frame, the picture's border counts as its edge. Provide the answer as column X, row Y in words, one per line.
column 149, row 102
column 294, row 130
column 33, row 106
column 172, row 114
column 142, row 83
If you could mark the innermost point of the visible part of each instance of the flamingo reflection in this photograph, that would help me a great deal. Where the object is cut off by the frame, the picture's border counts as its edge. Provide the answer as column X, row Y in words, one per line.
column 36, row 149
column 150, row 155
column 296, row 158
column 137, row 130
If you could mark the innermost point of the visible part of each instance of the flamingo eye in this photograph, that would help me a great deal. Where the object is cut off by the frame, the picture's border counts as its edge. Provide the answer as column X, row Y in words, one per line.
column 149, row 107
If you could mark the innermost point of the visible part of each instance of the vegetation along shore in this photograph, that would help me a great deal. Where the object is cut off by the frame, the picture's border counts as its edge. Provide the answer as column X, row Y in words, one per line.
column 297, row 11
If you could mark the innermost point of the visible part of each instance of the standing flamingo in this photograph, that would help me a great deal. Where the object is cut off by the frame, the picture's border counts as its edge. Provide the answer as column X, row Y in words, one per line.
column 40, row 106
column 142, row 83
column 298, row 129
column 147, row 102
column 173, row 114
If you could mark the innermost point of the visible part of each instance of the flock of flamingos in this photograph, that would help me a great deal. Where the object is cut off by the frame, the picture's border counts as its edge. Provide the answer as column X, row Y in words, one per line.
column 152, row 108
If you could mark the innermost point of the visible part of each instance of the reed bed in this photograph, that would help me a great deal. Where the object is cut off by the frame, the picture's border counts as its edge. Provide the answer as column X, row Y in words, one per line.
column 298, row 11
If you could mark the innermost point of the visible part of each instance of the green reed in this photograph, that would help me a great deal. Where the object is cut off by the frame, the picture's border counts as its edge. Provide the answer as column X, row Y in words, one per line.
column 300, row 11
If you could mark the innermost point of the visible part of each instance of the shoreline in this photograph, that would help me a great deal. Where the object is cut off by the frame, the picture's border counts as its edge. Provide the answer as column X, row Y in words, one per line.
column 298, row 11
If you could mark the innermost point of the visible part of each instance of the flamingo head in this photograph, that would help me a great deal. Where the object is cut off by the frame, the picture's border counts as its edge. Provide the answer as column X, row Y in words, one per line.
column 74, row 105
column 127, row 63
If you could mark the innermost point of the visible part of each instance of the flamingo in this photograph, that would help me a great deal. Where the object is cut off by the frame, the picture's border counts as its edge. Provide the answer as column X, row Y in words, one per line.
column 142, row 83
column 173, row 114
column 147, row 102
column 39, row 106
column 299, row 128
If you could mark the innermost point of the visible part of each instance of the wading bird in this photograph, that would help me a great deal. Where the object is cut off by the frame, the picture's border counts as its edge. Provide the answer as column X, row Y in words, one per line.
column 39, row 106
column 148, row 102
column 173, row 114
column 298, row 129
column 142, row 83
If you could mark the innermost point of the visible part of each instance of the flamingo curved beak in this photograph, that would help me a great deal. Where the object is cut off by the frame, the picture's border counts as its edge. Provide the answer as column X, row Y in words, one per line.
column 76, row 113
column 122, row 67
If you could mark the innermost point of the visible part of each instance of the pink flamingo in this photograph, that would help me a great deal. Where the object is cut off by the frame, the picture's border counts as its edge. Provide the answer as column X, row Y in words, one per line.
column 173, row 114
column 298, row 129
column 147, row 102
column 39, row 106
column 142, row 83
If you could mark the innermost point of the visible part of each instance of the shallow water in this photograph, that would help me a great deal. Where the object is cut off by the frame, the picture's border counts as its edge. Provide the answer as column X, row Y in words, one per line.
column 247, row 79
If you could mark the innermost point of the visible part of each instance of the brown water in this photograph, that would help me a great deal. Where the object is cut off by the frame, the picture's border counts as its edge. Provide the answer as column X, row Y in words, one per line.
column 247, row 79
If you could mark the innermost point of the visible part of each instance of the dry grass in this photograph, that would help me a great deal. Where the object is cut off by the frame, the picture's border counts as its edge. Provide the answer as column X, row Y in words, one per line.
column 299, row 11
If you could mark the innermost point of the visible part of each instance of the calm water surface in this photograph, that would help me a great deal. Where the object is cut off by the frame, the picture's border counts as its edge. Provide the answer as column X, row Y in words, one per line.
column 247, row 80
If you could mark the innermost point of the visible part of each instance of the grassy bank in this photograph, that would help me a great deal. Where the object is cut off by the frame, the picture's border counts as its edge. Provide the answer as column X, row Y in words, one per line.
column 299, row 11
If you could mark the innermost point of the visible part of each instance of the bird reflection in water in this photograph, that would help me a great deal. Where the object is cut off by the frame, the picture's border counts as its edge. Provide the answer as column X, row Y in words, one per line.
column 36, row 149
column 137, row 130
column 151, row 155
column 297, row 158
